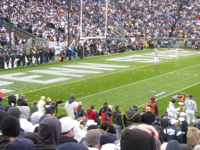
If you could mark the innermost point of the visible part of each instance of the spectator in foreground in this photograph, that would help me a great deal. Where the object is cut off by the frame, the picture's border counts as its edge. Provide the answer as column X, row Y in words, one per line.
column 72, row 146
column 93, row 139
column 10, row 130
column 15, row 112
column 1, row 100
column 172, row 133
column 193, row 135
column 20, row 144
column 67, row 130
column 107, row 138
column 173, row 145
column 135, row 138
column 24, row 123
column 49, row 134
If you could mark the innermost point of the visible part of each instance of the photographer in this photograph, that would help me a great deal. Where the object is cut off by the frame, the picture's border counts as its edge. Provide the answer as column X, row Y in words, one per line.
column 12, row 100
column 21, row 101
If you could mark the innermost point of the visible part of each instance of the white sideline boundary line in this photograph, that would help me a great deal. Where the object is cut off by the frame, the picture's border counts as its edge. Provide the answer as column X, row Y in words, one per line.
column 136, row 83
column 174, row 92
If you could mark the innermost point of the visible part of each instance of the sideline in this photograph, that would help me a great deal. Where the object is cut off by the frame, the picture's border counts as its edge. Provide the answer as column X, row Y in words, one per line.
column 164, row 95
column 132, row 84
column 102, row 75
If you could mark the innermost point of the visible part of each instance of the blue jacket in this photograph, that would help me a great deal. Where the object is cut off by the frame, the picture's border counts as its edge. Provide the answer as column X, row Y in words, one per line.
column 172, row 133
column 198, row 124
column 1, row 107
column 184, row 124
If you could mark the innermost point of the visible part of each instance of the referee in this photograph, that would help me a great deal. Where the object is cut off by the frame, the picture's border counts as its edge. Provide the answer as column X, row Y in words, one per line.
column 190, row 107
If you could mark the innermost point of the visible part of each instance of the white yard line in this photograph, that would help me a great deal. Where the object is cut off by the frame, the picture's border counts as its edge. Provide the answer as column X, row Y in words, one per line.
column 133, row 84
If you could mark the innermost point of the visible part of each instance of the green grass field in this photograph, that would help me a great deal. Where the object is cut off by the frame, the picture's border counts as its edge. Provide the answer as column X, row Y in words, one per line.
column 131, row 81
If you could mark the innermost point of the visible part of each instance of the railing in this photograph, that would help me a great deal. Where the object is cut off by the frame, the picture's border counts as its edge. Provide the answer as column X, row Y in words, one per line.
column 23, row 32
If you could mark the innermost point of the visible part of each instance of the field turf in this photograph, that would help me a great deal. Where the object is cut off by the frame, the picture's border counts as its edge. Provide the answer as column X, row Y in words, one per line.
column 133, row 83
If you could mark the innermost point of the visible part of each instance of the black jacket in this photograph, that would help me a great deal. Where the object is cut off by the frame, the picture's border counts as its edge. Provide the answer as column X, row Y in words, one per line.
column 148, row 117
column 131, row 116
column 66, row 139
column 117, row 118
column 3, row 142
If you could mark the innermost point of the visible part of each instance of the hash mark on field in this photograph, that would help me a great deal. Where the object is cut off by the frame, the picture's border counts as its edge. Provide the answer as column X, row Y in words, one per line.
column 133, row 83
column 174, row 92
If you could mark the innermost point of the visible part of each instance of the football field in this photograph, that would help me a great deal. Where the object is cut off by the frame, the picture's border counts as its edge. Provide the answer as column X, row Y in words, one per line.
column 124, row 79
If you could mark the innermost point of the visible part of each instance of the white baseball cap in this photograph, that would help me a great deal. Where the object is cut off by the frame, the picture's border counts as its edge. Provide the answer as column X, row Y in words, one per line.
column 173, row 122
column 91, row 122
column 67, row 123
column 182, row 114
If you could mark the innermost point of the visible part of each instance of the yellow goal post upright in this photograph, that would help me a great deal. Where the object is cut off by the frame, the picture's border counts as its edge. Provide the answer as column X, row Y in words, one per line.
column 82, row 38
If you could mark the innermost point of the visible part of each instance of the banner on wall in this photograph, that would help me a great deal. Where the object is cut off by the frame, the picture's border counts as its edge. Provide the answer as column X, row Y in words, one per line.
column 59, row 46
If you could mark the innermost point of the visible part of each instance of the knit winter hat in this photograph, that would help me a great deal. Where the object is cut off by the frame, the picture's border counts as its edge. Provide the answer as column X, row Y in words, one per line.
column 10, row 126
column 14, row 111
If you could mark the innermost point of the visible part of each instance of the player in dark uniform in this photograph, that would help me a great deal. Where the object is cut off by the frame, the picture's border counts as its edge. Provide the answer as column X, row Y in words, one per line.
column 7, row 59
column 41, row 55
column 37, row 55
column 13, row 59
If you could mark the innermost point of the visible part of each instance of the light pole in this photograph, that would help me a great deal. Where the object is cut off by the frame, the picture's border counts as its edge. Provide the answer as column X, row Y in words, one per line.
column 68, row 29
column 9, row 24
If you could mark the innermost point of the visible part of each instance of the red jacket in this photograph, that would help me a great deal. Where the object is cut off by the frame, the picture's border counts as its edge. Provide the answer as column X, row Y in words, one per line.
column 91, row 114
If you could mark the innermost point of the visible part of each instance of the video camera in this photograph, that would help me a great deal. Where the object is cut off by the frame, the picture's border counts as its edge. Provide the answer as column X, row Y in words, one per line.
column 55, row 104
column 58, row 101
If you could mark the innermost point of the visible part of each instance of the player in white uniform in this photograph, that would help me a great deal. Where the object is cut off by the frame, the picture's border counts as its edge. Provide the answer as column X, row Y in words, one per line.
column 190, row 107
column 156, row 58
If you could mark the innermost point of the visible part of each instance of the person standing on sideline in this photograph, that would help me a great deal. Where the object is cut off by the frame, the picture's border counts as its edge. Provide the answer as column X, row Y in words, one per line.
column 153, row 105
column 172, row 111
column 172, row 133
column 159, row 43
column 41, row 104
column 148, row 117
column 190, row 107
column 184, row 126
column 156, row 58
column 193, row 135
column 132, row 116
column 70, row 106
column 117, row 121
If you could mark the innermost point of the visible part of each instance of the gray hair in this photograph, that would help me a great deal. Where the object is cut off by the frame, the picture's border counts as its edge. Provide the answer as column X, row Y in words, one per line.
column 72, row 96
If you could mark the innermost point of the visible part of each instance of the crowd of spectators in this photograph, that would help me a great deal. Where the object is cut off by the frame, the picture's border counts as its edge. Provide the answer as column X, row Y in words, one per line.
column 38, row 128
column 49, row 18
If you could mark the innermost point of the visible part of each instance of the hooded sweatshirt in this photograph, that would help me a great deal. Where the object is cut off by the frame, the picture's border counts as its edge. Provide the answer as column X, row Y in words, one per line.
column 35, row 117
column 24, row 123
column 193, row 136
column 70, row 105
column 49, row 134
column 91, row 114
